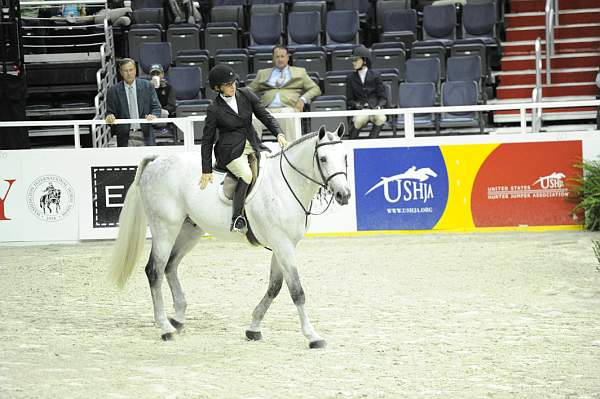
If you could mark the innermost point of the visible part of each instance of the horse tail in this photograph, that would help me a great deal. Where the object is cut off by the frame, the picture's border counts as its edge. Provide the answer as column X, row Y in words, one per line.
column 132, row 230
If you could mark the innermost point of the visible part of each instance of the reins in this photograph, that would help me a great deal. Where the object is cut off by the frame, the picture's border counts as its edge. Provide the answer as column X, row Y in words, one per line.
column 323, row 184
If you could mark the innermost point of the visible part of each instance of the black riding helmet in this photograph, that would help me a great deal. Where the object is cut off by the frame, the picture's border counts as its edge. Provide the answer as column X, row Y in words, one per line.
column 362, row 52
column 220, row 75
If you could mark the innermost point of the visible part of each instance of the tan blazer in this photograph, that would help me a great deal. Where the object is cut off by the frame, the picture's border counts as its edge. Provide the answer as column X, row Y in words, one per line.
column 300, row 85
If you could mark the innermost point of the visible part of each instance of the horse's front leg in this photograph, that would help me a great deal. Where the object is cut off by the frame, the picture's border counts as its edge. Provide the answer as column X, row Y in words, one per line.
column 275, row 283
column 286, row 257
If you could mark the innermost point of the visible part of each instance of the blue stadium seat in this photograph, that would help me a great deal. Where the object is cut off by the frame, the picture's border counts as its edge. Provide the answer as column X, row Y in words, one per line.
column 466, row 68
column 194, row 58
column 342, row 29
column 304, row 29
column 237, row 59
column 312, row 59
column 400, row 26
column 389, row 55
column 335, row 83
column 417, row 95
column 265, row 31
column 420, row 70
column 457, row 94
column 142, row 34
column 479, row 21
column 155, row 53
column 382, row 7
column 439, row 23
column 183, row 37
column 150, row 16
column 187, row 83
column 138, row 4
column 328, row 103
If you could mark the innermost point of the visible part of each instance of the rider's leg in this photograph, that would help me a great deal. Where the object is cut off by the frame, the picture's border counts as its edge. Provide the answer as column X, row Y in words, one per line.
column 241, row 169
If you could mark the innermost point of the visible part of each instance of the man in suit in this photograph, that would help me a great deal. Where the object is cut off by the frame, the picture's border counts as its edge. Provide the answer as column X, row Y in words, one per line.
column 284, row 88
column 132, row 98
column 365, row 90
column 230, row 115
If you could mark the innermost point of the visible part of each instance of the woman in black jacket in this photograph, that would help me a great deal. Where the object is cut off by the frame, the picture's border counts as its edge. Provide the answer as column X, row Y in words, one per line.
column 365, row 90
column 231, row 115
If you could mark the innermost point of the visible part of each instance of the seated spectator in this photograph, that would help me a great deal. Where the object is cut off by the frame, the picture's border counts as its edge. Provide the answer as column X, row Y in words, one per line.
column 284, row 88
column 132, row 98
column 184, row 11
column 164, row 91
column 365, row 90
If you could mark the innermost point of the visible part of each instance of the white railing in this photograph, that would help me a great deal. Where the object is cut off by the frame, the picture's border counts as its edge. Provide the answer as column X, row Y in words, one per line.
column 105, row 77
column 536, row 96
column 187, row 124
column 551, row 11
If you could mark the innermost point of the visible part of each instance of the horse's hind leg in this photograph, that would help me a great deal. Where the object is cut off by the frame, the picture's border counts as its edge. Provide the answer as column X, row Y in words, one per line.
column 275, row 282
column 163, row 240
column 186, row 240
column 286, row 259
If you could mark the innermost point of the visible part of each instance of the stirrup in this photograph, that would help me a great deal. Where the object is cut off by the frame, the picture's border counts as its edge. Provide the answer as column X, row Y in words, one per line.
column 239, row 224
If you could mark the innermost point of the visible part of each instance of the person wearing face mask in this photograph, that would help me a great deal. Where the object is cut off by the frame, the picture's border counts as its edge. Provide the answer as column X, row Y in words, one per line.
column 365, row 90
column 228, row 128
column 164, row 91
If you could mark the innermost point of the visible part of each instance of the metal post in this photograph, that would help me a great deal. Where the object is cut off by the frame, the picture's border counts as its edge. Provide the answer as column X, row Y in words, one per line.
column 523, row 113
column 77, row 138
column 409, row 125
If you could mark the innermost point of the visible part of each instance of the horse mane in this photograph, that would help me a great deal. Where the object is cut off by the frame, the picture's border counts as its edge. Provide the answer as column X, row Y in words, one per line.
column 295, row 143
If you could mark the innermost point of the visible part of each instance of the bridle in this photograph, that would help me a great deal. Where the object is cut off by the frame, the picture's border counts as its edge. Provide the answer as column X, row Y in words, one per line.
column 324, row 183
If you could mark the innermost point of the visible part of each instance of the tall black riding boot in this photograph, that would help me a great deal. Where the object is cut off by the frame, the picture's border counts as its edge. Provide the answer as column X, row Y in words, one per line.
column 238, row 221
column 375, row 130
column 353, row 134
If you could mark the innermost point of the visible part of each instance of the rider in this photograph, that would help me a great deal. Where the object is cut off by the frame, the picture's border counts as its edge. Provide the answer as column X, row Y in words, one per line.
column 231, row 115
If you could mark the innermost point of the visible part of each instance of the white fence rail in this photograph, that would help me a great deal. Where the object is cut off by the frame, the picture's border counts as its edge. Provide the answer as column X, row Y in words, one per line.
column 186, row 124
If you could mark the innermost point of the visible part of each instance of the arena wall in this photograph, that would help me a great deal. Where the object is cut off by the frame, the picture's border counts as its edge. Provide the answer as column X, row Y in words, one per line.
column 458, row 183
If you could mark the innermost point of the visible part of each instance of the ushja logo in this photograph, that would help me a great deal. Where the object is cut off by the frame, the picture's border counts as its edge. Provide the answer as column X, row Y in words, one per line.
column 411, row 185
column 555, row 180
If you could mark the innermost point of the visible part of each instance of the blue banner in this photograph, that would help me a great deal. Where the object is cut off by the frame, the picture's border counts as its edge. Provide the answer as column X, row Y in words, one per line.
column 399, row 188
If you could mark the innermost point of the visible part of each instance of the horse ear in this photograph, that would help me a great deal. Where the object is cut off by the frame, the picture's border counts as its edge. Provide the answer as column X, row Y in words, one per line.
column 322, row 132
column 341, row 129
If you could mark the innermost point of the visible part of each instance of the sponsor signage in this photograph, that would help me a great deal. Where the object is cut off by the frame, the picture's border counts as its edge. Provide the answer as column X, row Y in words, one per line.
column 399, row 188
column 50, row 198
column 109, row 186
column 526, row 184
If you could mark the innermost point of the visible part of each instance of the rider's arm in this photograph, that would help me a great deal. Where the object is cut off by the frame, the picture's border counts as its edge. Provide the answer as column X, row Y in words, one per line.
column 208, row 139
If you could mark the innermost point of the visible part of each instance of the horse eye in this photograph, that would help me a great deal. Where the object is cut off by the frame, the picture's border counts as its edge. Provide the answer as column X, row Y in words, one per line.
column 323, row 159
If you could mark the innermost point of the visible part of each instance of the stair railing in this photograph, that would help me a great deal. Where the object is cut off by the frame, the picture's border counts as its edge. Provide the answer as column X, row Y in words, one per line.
column 551, row 11
column 536, row 95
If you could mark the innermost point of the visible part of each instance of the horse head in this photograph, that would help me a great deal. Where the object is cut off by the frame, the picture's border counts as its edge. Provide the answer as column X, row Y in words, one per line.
column 332, row 163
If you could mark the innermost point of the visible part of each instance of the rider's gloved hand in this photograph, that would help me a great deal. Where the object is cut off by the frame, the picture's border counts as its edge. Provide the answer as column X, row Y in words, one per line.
column 205, row 179
column 282, row 140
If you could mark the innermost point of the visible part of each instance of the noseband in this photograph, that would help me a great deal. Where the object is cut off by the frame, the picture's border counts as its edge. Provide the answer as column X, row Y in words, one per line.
column 324, row 183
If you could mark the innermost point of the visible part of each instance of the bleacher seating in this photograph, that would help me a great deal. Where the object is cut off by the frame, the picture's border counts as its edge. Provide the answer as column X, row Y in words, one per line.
column 414, row 43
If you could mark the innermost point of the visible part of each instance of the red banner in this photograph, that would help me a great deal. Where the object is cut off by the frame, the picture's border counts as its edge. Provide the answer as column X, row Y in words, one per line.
column 527, row 184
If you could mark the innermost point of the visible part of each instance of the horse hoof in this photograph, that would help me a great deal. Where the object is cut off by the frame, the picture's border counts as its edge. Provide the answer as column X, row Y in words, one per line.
column 319, row 344
column 253, row 335
column 168, row 336
column 176, row 324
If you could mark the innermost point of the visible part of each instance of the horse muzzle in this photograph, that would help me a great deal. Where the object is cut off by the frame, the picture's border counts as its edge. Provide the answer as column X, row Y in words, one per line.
column 342, row 197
